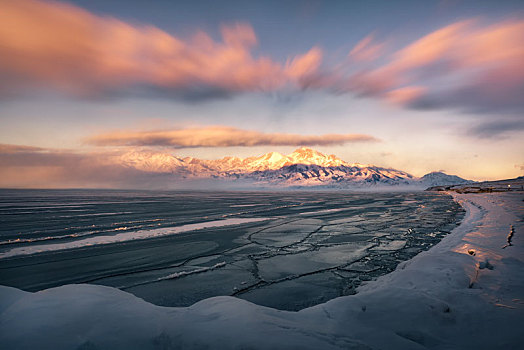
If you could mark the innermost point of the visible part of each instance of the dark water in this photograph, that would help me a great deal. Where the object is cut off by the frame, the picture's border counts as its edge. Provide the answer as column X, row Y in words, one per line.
column 305, row 248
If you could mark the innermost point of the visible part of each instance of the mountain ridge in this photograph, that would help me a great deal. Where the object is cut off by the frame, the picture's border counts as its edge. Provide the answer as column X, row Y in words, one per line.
column 304, row 167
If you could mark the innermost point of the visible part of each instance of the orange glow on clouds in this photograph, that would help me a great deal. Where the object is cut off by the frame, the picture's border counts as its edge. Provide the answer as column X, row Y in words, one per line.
column 367, row 50
column 78, row 52
column 405, row 95
column 306, row 64
column 220, row 136
column 482, row 62
column 429, row 48
column 51, row 45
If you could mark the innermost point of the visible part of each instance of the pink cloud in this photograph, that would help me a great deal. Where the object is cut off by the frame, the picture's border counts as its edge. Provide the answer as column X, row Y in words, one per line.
column 60, row 46
column 56, row 46
column 429, row 48
column 367, row 50
column 405, row 95
column 464, row 65
column 220, row 136
column 306, row 64
column 241, row 35
column 9, row 149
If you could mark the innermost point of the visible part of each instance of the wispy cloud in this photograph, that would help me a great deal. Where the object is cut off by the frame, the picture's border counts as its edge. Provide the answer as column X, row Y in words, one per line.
column 367, row 49
column 51, row 45
column 468, row 65
column 8, row 149
column 465, row 65
column 497, row 129
column 301, row 67
column 405, row 95
column 220, row 136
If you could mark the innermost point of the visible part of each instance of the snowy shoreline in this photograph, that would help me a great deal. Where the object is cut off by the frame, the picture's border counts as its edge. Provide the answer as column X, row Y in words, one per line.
column 444, row 298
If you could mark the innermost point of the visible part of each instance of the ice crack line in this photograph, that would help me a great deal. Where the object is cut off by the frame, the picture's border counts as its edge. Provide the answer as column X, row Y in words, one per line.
column 510, row 236
column 264, row 283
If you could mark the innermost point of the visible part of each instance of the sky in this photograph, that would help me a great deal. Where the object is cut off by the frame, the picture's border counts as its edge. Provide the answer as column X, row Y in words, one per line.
column 418, row 86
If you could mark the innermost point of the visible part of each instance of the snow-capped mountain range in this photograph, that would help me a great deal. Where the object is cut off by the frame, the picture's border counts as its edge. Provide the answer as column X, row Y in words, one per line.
column 304, row 167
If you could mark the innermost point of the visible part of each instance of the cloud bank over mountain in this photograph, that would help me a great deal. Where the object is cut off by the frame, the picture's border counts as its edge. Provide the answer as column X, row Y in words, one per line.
column 220, row 136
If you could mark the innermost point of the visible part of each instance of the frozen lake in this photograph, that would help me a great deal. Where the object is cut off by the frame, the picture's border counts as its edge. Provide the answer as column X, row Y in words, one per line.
column 287, row 250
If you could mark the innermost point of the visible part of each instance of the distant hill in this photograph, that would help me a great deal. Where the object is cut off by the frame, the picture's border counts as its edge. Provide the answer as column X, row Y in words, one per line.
column 508, row 185
column 438, row 178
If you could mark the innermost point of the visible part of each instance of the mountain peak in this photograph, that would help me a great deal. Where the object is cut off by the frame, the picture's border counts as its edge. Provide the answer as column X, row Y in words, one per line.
column 150, row 161
column 273, row 156
column 433, row 173
column 309, row 156
column 438, row 178
column 304, row 148
column 307, row 152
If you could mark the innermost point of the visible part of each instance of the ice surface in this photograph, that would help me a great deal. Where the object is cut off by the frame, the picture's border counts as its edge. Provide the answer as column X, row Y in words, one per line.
column 390, row 245
column 335, row 250
column 286, row 234
column 127, row 236
column 298, row 293
column 281, row 266
column 194, row 287
column 440, row 299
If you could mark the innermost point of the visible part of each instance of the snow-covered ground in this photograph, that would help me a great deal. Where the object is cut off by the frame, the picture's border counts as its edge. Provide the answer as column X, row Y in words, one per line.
column 467, row 292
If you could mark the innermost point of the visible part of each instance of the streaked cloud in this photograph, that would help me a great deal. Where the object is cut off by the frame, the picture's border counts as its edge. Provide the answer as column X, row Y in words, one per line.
column 469, row 65
column 220, row 136
column 466, row 65
column 367, row 49
column 405, row 95
column 7, row 148
column 304, row 65
column 497, row 129
column 52, row 45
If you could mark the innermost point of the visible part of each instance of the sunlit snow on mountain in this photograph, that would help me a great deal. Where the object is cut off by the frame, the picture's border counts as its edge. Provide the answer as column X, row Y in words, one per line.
column 305, row 167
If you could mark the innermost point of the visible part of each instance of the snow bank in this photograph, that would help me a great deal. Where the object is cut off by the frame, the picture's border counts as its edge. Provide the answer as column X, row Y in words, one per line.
column 445, row 298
